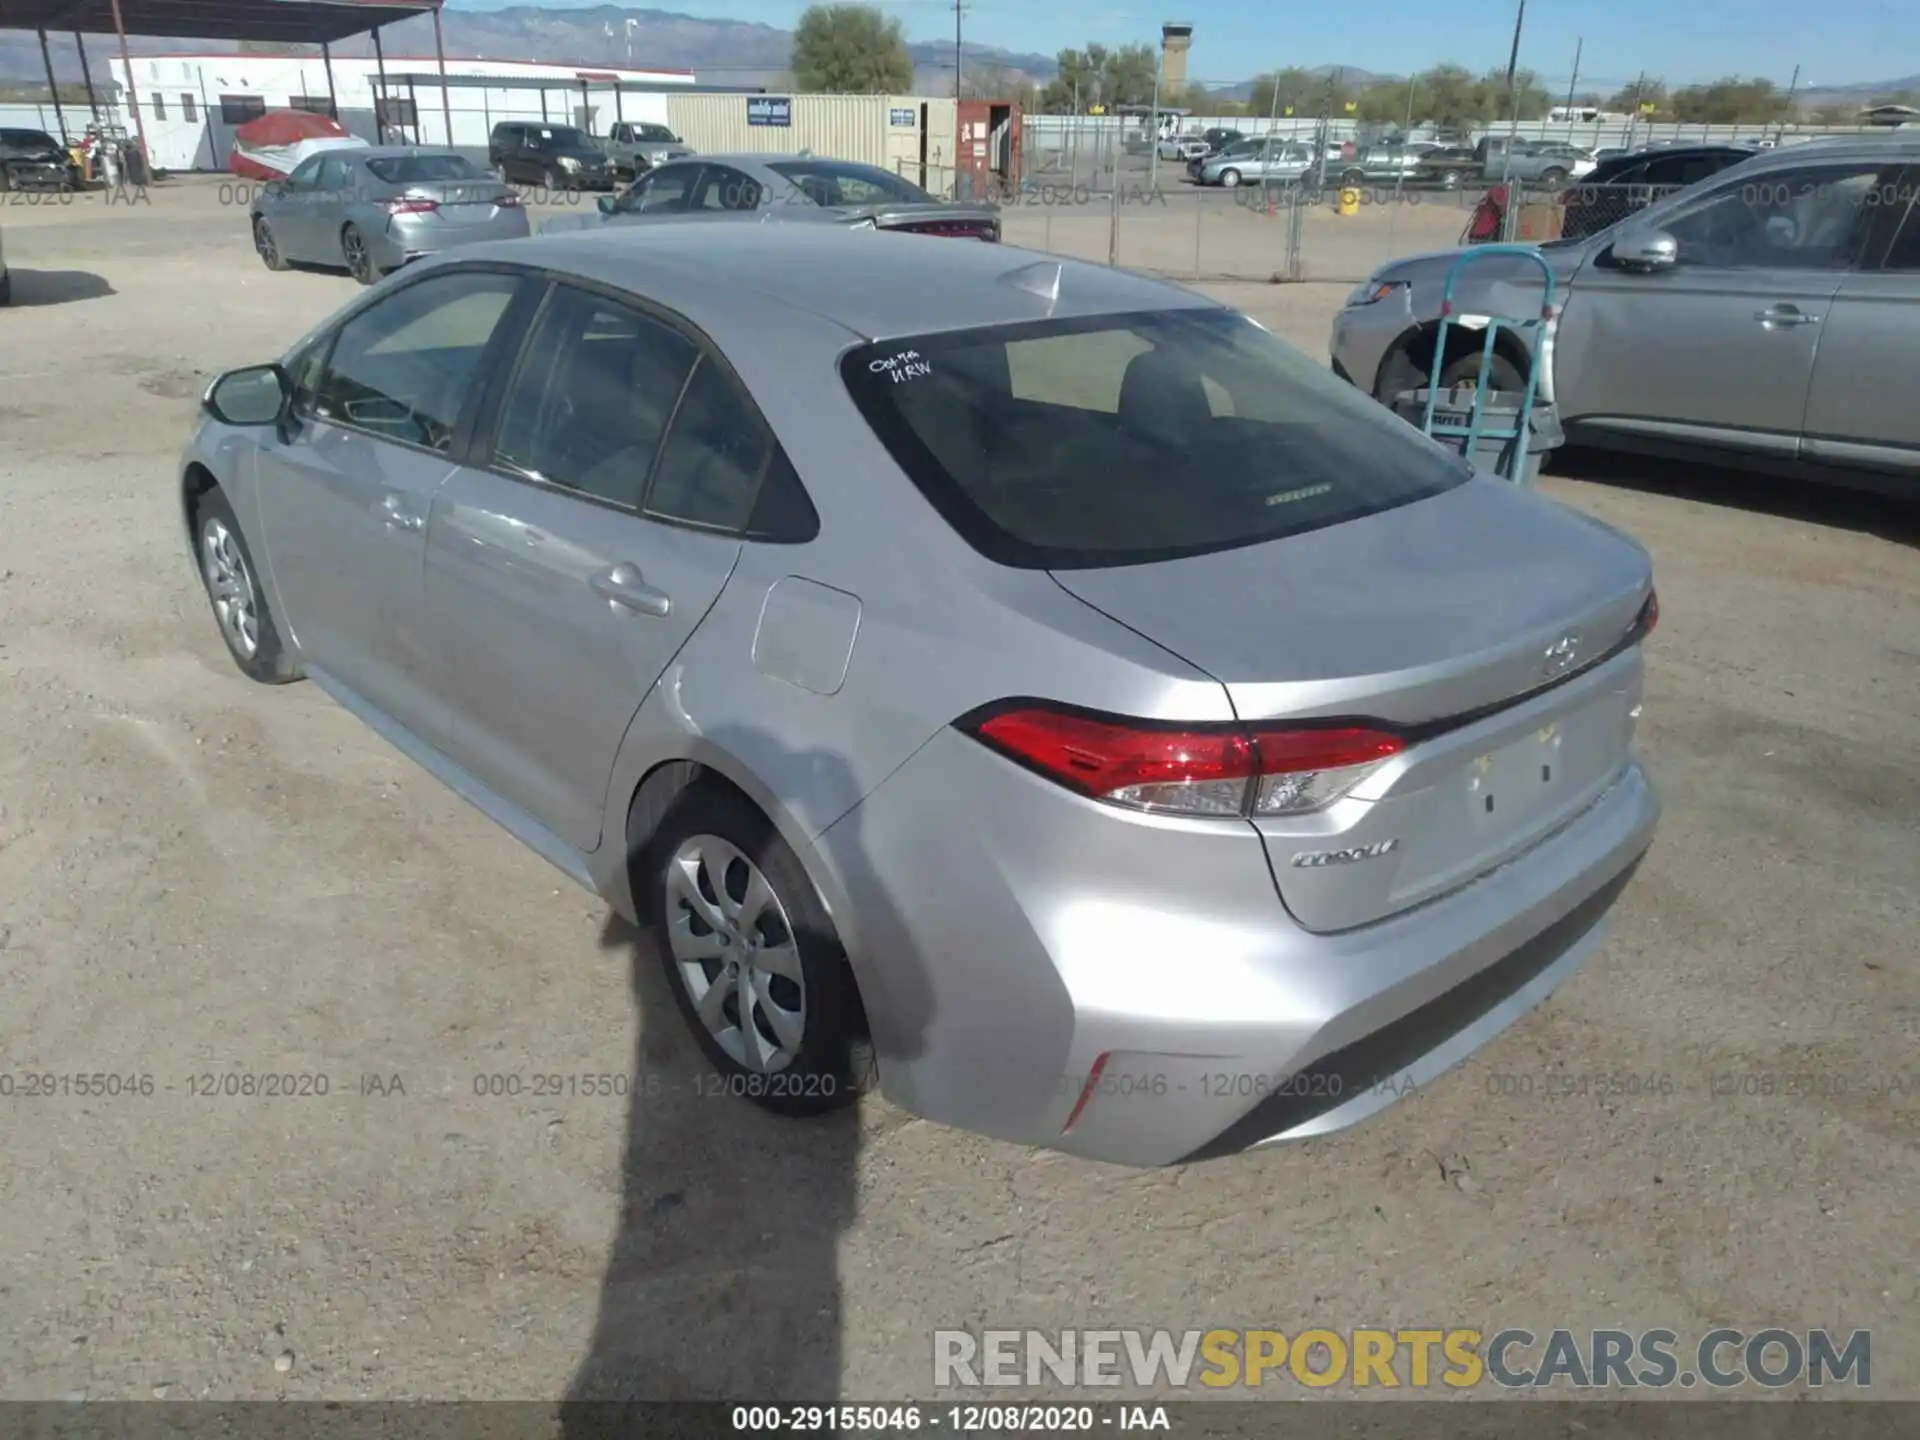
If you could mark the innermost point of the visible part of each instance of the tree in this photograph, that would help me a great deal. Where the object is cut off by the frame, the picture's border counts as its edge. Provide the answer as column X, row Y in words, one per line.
column 850, row 50
column 1730, row 101
column 1098, row 76
column 1450, row 97
column 1299, row 92
column 1629, row 98
column 993, row 82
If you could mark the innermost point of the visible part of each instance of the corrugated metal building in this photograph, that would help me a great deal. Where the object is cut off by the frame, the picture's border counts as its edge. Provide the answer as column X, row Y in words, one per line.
column 911, row 135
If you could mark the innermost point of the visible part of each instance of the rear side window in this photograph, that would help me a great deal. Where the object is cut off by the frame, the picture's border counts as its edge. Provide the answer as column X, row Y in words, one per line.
column 1121, row 440
column 592, row 397
column 715, row 454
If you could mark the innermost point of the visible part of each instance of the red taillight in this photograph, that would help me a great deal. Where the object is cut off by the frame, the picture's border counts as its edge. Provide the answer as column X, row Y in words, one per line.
column 508, row 201
column 1650, row 614
column 1198, row 770
column 409, row 207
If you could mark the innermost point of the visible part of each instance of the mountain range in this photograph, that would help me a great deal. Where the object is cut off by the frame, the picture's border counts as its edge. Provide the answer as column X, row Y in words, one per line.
column 719, row 52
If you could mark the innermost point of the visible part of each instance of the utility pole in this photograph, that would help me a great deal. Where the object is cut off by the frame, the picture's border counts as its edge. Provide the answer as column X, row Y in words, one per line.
column 1574, row 84
column 1153, row 164
column 1639, row 99
column 956, row 52
column 1793, row 85
column 1513, row 65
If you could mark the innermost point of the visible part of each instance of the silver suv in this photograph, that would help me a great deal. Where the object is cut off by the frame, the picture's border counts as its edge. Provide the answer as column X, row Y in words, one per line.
column 1767, row 313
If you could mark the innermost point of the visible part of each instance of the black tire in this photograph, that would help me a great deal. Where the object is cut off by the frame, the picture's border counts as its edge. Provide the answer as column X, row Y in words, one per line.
column 831, row 1063
column 1230, row 177
column 1502, row 373
column 6, row 287
column 1553, row 178
column 6, row 180
column 268, row 663
column 555, row 182
column 1352, row 177
column 266, row 246
column 358, row 258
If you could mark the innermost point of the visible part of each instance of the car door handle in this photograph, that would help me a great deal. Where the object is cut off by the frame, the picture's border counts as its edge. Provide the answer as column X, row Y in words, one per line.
column 1785, row 316
column 394, row 511
column 623, row 586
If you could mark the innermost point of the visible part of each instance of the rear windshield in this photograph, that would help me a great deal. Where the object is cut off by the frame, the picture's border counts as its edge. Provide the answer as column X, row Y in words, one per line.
column 423, row 169
column 1123, row 439
column 28, row 139
column 839, row 182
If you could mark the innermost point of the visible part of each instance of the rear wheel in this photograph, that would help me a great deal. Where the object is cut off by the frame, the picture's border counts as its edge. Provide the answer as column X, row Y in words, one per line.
column 1452, row 179
column 752, row 957
column 268, row 245
column 1352, row 177
column 1502, row 373
column 1553, row 178
column 353, row 249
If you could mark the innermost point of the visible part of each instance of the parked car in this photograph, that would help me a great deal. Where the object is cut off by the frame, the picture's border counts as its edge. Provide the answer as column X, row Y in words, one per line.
column 1448, row 166
column 560, row 157
column 33, row 159
column 1175, row 146
column 1617, row 187
column 1387, row 164
column 782, row 187
column 938, row 648
column 1280, row 161
column 373, row 209
column 636, row 146
column 1758, row 317
column 1546, row 163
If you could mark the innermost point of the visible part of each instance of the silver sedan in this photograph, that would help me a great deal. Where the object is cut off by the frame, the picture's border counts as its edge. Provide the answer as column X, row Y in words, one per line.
column 373, row 209
column 1029, row 675
column 780, row 187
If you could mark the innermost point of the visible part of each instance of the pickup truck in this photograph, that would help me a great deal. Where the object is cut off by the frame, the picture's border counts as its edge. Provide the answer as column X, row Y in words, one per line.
column 1380, row 164
column 635, row 146
column 1546, row 163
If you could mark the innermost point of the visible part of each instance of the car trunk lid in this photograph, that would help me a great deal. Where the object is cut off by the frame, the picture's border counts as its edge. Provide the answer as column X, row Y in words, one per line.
column 455, row 202
column 1488, row 627
column 954, row 221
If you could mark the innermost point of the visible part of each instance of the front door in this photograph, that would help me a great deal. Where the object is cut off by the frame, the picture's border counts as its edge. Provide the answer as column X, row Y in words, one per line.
column 588, row 536
column 1719, row 348
column 292, row 215
column 344, row 500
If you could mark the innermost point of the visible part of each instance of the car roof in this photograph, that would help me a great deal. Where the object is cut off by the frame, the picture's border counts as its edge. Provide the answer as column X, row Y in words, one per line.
column 395, row 152
column 876, row 286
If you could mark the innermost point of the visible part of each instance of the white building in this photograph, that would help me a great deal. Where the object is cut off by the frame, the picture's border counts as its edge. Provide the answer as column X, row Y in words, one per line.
column 190, row 105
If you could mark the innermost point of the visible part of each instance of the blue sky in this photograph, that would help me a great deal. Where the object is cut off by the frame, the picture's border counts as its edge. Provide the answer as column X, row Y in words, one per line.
column 1839, row 42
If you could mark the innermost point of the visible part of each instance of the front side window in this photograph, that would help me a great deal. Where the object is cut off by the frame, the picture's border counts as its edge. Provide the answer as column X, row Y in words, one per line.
column 1805, row 219
column 592, row 396
column 334, row 173
column 658, row 134
column 721, row 188
column 307, row 172
column 1119, row 440
column 402, row 368
column 659, row 192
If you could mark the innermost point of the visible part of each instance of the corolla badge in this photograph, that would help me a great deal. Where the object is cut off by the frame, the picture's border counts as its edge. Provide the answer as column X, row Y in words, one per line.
column 1312, row 859
column 1560, row 656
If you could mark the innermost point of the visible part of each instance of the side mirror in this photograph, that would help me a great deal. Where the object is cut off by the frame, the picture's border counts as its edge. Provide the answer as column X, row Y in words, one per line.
column 257, row 395
column 605, row 203
column 1646, row 249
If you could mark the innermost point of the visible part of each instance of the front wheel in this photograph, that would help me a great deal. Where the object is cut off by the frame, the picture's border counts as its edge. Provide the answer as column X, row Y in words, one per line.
column 233, row 588
column 1452, row 179
column 1230, row 178
column 1502, row 373
column 751, row 955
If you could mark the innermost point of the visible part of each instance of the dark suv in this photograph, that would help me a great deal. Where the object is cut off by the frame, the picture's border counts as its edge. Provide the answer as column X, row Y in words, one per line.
column 34, row 158
column 560, row 157
column 1619, row 186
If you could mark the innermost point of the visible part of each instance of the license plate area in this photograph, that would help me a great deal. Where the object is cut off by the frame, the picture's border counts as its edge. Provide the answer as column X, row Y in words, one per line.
column 1507, row 789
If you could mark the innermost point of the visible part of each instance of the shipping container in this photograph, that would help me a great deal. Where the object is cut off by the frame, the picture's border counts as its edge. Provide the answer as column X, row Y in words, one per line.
column 901, row 133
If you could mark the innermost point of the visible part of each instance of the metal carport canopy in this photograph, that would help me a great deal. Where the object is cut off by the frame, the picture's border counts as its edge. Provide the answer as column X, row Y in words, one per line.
column 290, row 22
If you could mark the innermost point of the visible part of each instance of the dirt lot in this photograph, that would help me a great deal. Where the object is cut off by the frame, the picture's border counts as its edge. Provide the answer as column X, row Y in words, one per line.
column 203, row 878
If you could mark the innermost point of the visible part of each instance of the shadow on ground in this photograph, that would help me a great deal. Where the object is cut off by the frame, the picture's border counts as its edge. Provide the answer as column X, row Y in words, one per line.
column 1817, row 503
column 55, row 287
column 724, row 1279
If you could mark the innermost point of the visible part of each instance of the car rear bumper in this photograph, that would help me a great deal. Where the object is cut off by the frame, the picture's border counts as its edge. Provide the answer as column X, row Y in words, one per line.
column 1129, row 988
column 409, row 237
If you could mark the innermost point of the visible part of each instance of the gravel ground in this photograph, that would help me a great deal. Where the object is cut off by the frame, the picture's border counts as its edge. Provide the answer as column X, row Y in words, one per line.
column 205, row 878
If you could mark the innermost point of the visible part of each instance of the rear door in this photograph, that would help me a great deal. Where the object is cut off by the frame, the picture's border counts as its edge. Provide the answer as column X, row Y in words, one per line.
column 589, row 533
column 344, row 500
column 292, row 214
column 1860, row 412
column 1718, row 349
